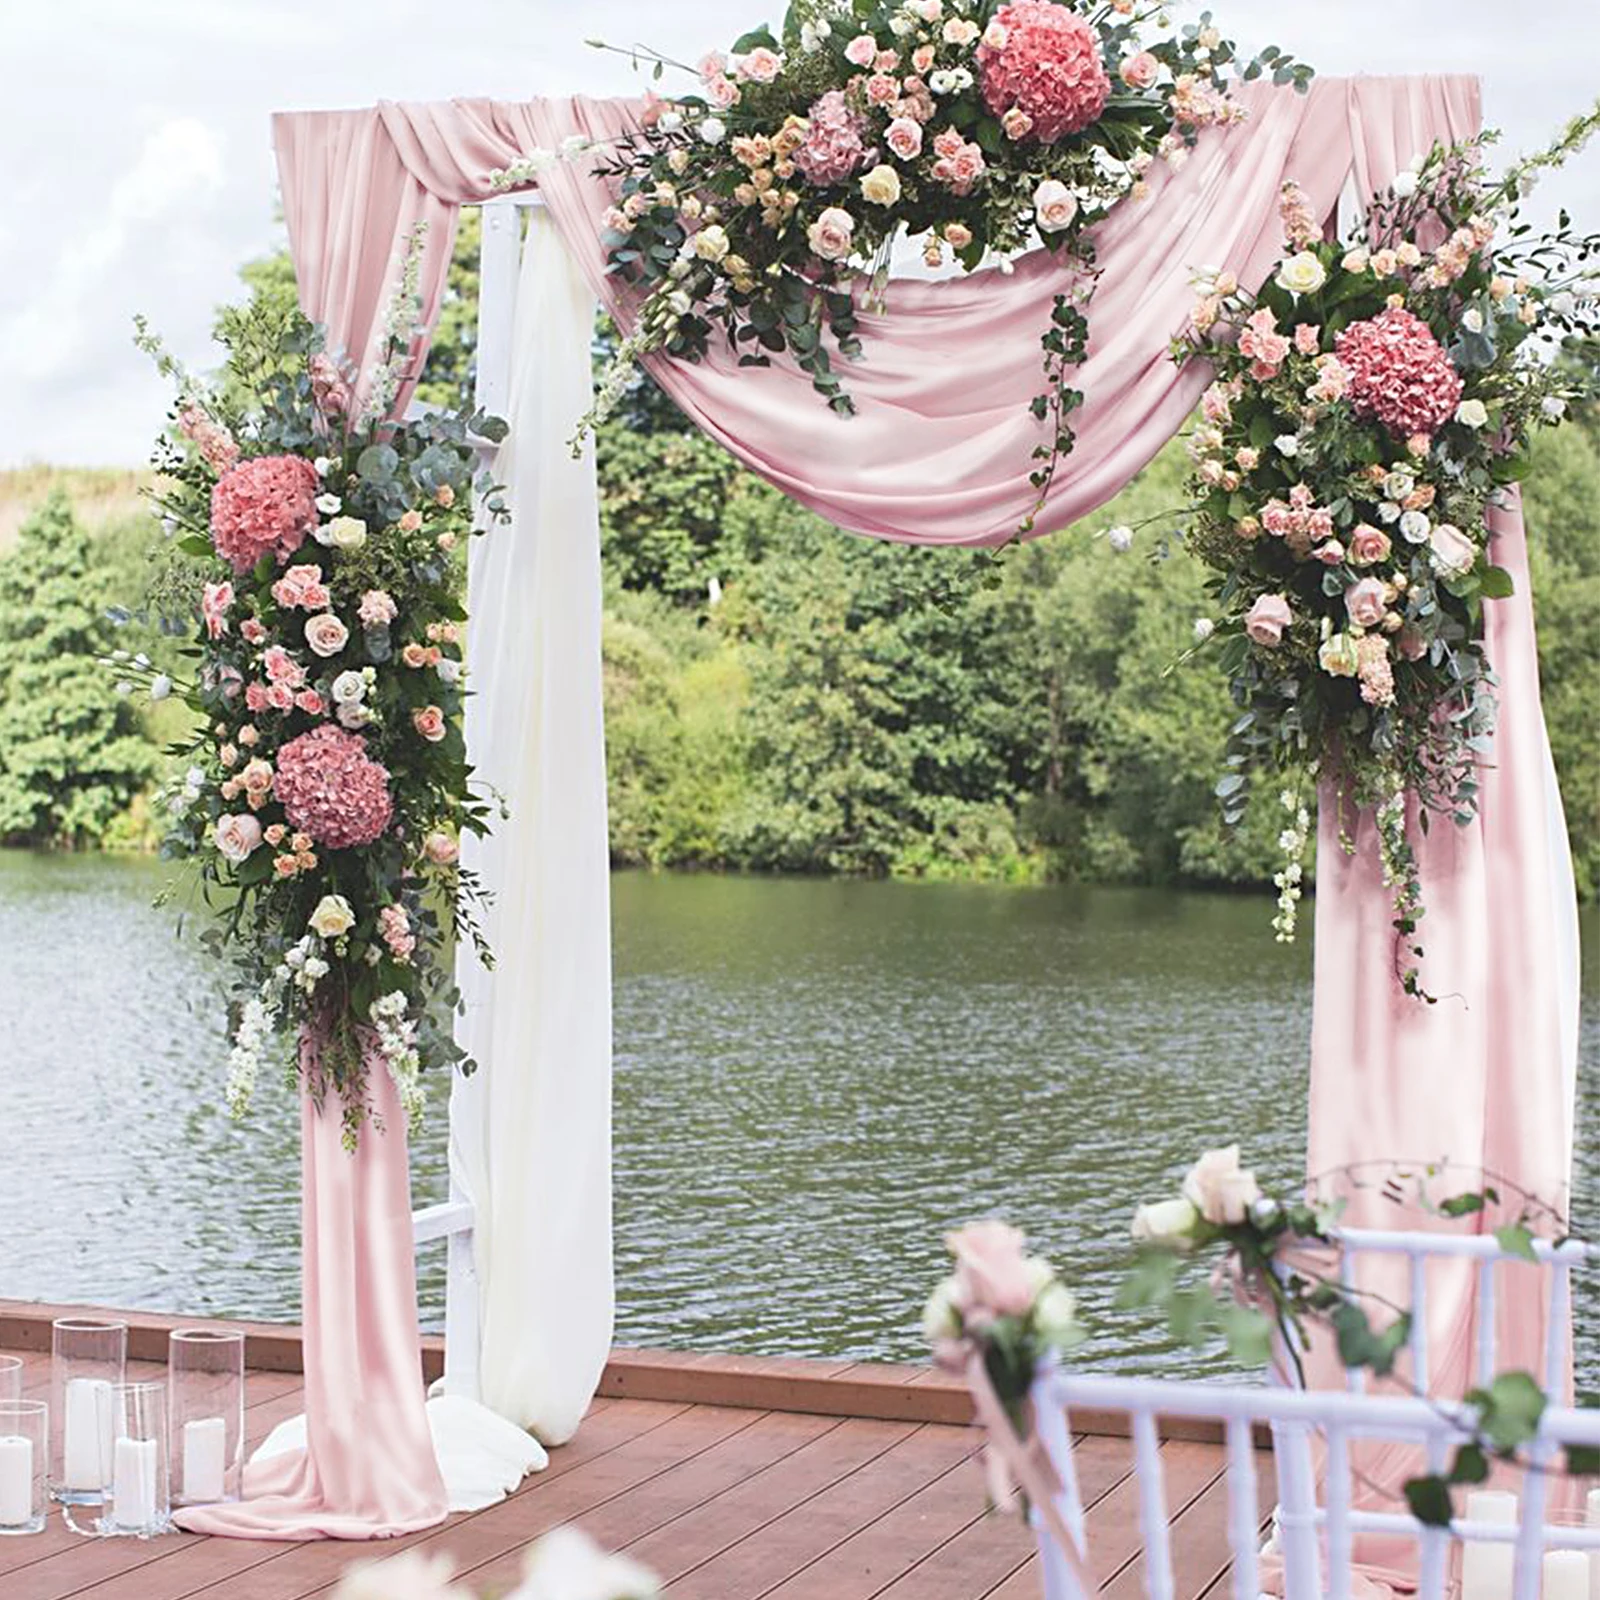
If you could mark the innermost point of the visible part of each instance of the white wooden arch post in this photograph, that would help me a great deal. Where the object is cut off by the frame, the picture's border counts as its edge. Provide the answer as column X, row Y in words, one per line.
column 454, row 1220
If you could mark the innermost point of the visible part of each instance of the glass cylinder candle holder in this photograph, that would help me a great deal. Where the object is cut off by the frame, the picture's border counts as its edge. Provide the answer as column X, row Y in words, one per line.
column 10, row 1377
column 24, row 1441
column 205, row 1390
column 88, row 1357
column 137, row 1492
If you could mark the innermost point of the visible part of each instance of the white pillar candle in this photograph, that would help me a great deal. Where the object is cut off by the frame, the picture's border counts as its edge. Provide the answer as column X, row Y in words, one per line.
column 133, row 1484
column 86, row 1450
column 1566, row 1575
column 16, row 1481
column 1591, row 1517
column 205, row 1454
column 1486, row 1568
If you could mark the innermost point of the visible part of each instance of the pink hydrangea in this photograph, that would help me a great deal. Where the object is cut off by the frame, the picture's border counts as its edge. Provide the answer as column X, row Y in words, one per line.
column 377, row 609
column 1048, row 67
column 835, row 145
column 1399, row 373
column 263, row 507
column 332, row 790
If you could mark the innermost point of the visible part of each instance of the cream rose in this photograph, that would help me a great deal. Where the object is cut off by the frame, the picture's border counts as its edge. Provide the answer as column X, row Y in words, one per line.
column 1339, row 657
column 1451, row 552
column 881, row 186
column 1055, row 1315
column 1168, row 1223
column 1267, row 620
column 1302, row 274
column 941, row 1317
column 237, row 836
column 1219, row 1189
column 348, row 688
column 1472, row 414
column 711, row 243
column 1054, row 206
column 326, row 634
column 830, row 235
column 332, row 917
column 342, row 533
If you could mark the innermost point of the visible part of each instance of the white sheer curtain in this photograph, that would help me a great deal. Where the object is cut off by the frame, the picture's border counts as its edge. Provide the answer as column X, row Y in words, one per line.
column 531, row 1141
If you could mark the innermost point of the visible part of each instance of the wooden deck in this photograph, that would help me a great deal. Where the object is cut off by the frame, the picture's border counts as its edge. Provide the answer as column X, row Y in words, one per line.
column 735, row 1478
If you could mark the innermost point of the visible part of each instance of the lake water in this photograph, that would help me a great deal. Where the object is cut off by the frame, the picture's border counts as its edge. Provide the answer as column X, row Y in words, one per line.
column 814, row 1079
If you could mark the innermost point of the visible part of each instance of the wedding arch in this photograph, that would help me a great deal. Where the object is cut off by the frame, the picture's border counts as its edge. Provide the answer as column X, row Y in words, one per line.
column 936, row 454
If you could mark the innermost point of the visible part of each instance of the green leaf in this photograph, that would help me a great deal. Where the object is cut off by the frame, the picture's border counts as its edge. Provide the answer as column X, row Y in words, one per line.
column 1496, row 584
column 1429, row 1499
column 1509, row 1410
column 1471, row 1465
column 757, row 39
column 1516, row 1241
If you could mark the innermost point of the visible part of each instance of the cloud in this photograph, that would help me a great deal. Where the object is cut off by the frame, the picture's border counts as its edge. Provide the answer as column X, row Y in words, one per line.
column 180, row 160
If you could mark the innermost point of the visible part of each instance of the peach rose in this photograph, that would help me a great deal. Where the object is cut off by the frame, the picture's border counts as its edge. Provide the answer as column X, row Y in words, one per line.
column 237, row 836
column 326, row 634
column 830, row 235
column 1268, row 618
column 1369, row 545
column 429, row 722
column 1054, row 206
column 1140, row 71
column 904, row 138
column 1365, row 603
column 992, row 1272
column 760, row 66
column 441, row 849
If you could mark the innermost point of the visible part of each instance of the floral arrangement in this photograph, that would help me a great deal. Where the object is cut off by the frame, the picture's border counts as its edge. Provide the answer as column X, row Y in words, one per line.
column 1370, row 405
column 762, row 202
column 565, row 1564
column 1276, row 1287
column 1001, row 1304
column 317, row 556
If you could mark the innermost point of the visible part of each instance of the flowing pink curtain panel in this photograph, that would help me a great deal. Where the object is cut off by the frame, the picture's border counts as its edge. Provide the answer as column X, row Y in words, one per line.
column 368, row 1470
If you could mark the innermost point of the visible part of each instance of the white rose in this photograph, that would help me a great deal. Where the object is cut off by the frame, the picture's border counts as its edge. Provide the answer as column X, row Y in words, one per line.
column 354, row 715
column 1388, row 511
column 1055, row 1316
column 1472, row 413
column 1302, row 274
column 881, row 186
column 1120, row 539
column 1219, row 1189
column 342, row 533
column 941, row 1319
column 711, row 244
column 942, row 82
column 1414, row 527
column 332, row 917
column 237, row 836
column 1287, row 444
column 348, row 689
column 449, row 670
column 1169, row 1222
column 1054, row 206
column 1405, row 185
column 1451, row 552
column 670, row 121
column 713, row 130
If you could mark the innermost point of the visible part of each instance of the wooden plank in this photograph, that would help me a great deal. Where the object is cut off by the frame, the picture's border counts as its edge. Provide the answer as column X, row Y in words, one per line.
column 799, row 1535
column 704, row 1533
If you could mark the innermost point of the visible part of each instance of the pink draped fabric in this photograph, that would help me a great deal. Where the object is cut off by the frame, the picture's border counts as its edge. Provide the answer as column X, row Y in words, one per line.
column 368, row 1470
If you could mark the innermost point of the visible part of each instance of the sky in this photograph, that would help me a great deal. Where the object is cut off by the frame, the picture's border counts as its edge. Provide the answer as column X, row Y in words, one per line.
column 136, row 167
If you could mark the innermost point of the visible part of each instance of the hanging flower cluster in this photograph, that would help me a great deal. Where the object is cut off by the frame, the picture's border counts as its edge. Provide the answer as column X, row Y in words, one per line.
column 763, row 204
column 321, row 560
column 1369, row 407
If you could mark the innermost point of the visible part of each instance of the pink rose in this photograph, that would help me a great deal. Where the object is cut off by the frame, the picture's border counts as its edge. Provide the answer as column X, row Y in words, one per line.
column 881, row 89
column 1331, row 553
column 904, row 138
column 251, row 631
column 1365, row 603
column 723, row 93
column 310, row 702
column 214, row 603
column 1054, row 206
column 281, row 667
column 992, row 1272
column 429, row 722
column 1453, row 554
column 255, row 697
column 326, row 634
column 922, row 59
column 1017, row 124
column 1369, row 545
column 760, row 66
column 237, row 836
column 1268, row 618
column 958, row 235
column 1140, row 71
column 280, row 697
column 712, row 65
column 301, row 586
column 441, row 849
column 862, row 50
column 1306, row 339
column 830, row 235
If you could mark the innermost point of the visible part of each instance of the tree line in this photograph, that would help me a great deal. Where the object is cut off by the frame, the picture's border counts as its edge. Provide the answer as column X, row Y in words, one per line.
column 781, row 696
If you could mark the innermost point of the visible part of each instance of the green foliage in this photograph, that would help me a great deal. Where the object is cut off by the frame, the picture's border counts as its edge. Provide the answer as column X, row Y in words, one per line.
column 72, row 757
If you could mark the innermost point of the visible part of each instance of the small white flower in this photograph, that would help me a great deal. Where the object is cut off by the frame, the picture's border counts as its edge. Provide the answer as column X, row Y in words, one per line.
column 1120, row 538
column 902, row 27
column 1287, row 444
column 943, row 81
column 1472, row 320
column 194, row 779
column 169, row 526
column 574, row 145
column 160, row 686
column 324, row 465
column 329, row 504
column 1405, row 185
column 1204, row 627
column 1388, row 512
column 713, row 130
column 670, row 121
column 1414, row 527
column 1553, row 406
column 124, row 687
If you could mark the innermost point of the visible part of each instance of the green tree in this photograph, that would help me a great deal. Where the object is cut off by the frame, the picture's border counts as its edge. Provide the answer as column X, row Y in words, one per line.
column 72, row 756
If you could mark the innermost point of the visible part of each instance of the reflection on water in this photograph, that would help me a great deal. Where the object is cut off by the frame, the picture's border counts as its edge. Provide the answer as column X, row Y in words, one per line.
column 814, row 1079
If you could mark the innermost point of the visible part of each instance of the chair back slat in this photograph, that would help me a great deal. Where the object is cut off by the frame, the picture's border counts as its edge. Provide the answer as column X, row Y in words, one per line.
column 1153, row 1525
column 1297, row 1508
column 1341, row 1538
column 1244, row 1517
column 1525, row 1574
column 1419, row 1320
column 1556, row 1331
column 1431, row 1571
column 1486, row 1321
